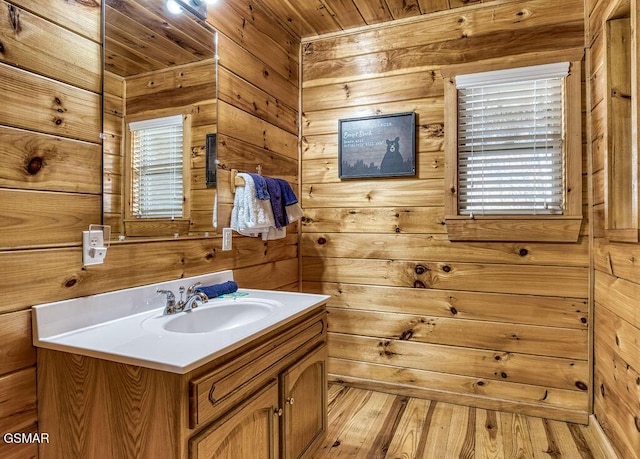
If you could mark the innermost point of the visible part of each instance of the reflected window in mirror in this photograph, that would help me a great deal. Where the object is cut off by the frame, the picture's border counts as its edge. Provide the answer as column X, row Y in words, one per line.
column 158, row 154
column 157, row 167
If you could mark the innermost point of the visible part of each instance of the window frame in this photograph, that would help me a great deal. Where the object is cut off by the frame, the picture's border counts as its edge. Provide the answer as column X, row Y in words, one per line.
column 621, row 164
column 545, row 228
column 154, row 226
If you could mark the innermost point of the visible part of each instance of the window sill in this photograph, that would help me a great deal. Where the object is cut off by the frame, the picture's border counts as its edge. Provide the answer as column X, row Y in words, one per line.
column 156, row 227
column 514, row 228
column 623, row 235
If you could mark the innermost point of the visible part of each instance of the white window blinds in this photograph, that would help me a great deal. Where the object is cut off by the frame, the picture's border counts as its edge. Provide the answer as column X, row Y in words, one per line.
column 510, row 141
column 157, row 161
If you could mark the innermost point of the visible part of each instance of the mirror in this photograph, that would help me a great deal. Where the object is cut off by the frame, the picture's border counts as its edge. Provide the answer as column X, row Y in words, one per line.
column 158, row 65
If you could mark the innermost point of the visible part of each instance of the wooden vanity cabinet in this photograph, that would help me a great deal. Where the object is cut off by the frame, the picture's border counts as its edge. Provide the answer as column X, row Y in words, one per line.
column 303, row 394
column 265, row 400
column 287, row 418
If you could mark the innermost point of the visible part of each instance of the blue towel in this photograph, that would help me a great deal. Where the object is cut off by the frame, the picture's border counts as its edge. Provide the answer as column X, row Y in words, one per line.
column 215, row 290
column 277, row 204
column 288, row 196
column 261, row 186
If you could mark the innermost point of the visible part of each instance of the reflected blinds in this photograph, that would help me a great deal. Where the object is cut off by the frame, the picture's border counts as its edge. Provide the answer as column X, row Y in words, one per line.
column 510, row 141
column 157, row 161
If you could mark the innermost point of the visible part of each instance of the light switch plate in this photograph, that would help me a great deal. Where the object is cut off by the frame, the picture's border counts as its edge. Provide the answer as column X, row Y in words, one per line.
column 227, row 239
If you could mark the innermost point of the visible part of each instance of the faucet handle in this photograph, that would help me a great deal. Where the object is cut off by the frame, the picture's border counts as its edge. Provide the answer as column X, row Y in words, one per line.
column 171, row 298
column 192, row 288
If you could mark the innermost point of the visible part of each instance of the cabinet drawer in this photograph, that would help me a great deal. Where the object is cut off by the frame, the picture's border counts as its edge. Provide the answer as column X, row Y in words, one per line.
column 214, row 393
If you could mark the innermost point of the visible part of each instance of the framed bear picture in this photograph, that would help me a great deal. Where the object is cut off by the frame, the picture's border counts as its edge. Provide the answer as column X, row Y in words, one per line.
column 377, row 146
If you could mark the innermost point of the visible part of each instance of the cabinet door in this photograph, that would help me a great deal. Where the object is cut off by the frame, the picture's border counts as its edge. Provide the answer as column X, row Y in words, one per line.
column 304, row 398
column 251, row 431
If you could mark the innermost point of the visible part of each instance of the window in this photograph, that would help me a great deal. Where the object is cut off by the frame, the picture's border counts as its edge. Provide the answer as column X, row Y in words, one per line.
column 156, row 164
column 158, row 183
column 513, row 154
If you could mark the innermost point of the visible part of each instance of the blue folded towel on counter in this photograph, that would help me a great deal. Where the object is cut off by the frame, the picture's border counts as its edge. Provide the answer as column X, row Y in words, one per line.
column 215, row 290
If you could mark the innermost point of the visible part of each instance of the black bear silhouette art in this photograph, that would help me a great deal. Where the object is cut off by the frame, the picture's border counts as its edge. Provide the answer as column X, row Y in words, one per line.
column 392, row 161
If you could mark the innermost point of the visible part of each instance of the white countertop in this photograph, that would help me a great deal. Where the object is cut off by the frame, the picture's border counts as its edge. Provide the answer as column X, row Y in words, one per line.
column 114, row 326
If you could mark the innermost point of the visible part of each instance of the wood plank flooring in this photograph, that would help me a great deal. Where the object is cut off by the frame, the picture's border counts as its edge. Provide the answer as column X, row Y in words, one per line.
column 373, row 425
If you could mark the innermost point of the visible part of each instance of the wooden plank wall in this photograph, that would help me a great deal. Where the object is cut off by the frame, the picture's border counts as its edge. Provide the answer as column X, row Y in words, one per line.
column 50, row 173
column 616, row 277
column 495, row 325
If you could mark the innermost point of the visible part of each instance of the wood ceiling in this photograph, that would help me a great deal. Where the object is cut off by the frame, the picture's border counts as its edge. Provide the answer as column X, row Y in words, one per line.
column 308, row 18
column 142, row 36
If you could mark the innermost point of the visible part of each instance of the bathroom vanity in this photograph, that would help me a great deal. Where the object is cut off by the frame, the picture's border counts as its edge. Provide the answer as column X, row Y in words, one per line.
column 126, row 388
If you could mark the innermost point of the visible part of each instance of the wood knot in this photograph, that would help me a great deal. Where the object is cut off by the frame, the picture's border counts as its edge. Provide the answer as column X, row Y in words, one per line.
column 58, row 121
column 14, row 18
column 480, row 383
column 582, row 386
column 420, row 269
column 308, row 48
column 406, row 335
column 419, row 284
column 583, row 320
column 322, row 241
column 503, row 375
column 453, row 310
column 70, row 283
column 523, row 252
column 397, row 229
column 209, row 256
column 35, row 165
column 446, row 268
column 602, row 391
column 265, row 73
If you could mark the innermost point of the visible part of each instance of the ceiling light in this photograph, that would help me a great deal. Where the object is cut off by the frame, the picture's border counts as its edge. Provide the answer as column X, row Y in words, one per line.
column 173, row 7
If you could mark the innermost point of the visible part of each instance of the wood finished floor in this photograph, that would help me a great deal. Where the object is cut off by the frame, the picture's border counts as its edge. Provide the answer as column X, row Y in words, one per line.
column 370, row 425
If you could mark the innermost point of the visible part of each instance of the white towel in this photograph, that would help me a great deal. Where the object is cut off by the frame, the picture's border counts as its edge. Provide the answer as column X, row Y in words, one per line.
column 250, row 216
column 294, row 212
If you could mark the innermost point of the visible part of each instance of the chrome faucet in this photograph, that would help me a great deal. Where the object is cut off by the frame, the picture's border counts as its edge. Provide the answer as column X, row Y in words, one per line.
column 170, row 306
column 192, row 301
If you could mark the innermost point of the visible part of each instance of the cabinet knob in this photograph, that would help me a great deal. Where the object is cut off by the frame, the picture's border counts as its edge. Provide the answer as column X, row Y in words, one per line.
column 290, row 400
column 277, row 411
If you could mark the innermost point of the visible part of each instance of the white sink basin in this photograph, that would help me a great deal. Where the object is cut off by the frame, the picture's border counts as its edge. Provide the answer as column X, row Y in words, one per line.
column 127, row 326
column 216, row 315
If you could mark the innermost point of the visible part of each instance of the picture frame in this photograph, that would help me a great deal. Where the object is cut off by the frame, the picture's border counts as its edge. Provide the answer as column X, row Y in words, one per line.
column 377, row 146
column 211, row 155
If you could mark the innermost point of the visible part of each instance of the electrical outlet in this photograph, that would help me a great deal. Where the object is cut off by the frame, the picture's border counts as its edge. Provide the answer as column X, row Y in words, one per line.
column 93, row 247
column 227, row 239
